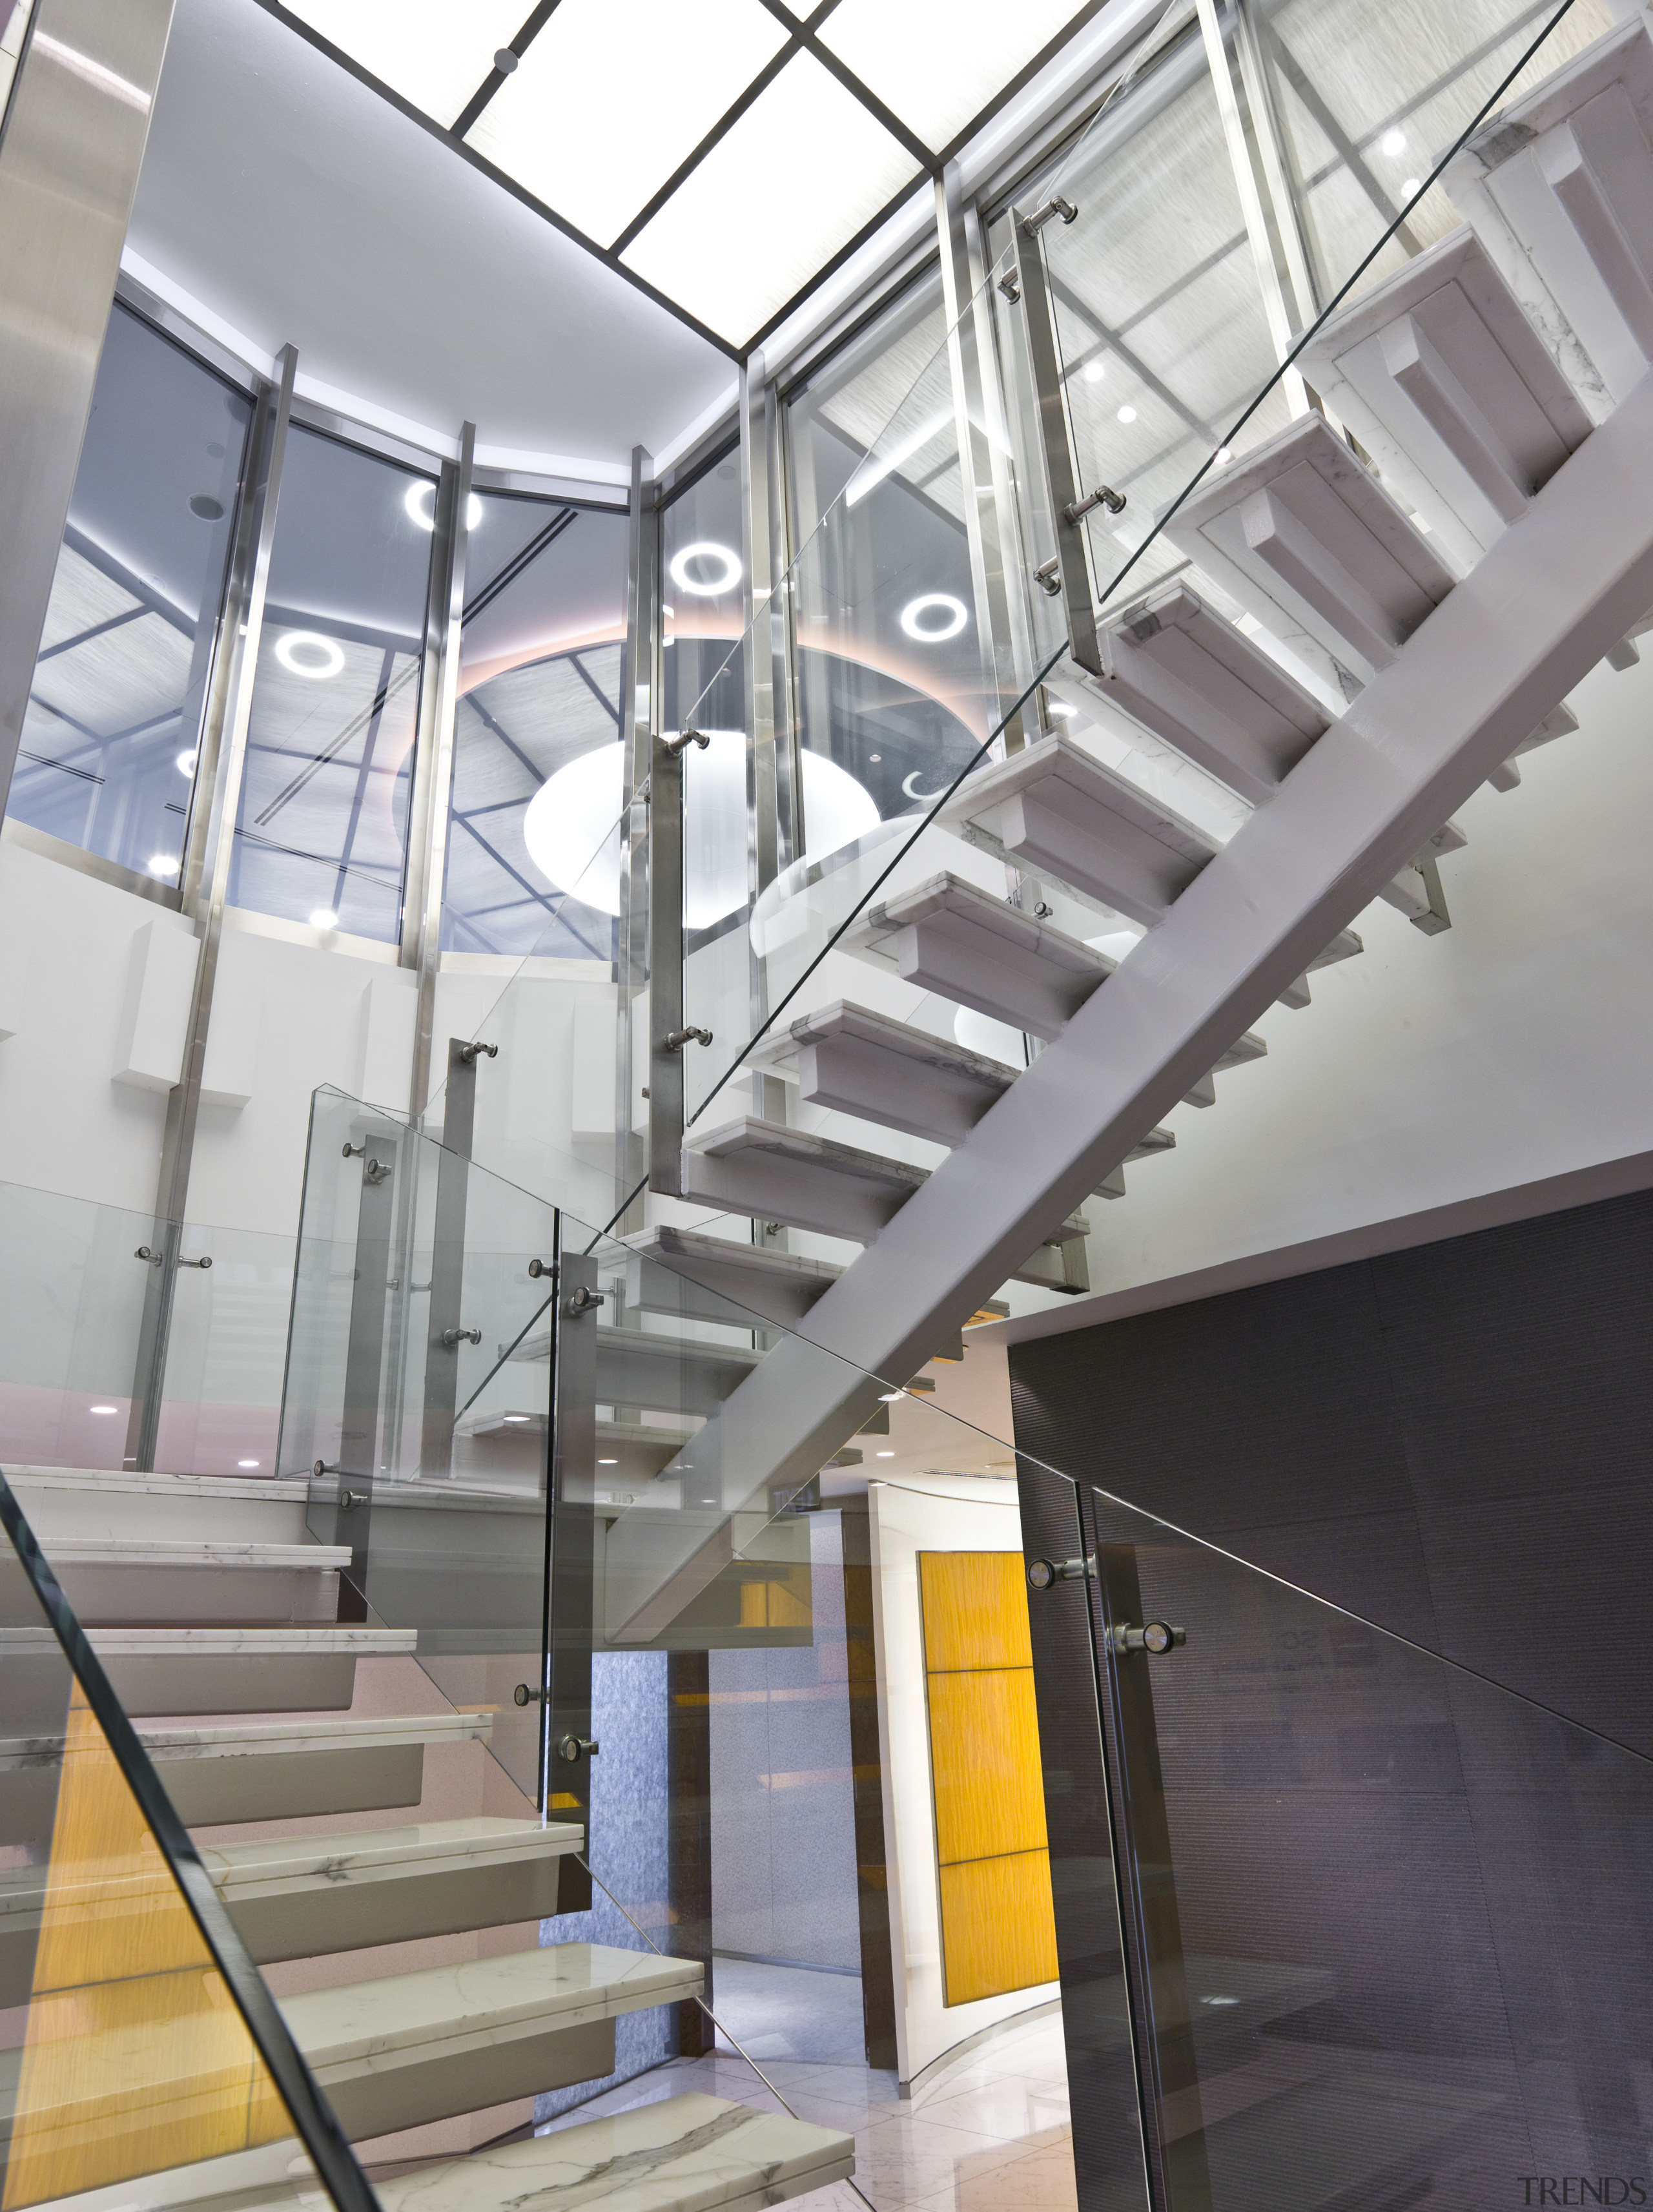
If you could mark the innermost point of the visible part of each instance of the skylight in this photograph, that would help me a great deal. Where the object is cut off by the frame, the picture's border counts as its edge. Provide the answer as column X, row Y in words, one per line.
column 723, row 153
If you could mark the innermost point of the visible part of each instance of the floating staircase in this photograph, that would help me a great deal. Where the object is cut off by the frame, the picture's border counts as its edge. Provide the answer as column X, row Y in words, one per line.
column 1368, row 626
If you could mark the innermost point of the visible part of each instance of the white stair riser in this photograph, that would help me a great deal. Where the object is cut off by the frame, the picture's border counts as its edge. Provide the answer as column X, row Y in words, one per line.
column 236, row 1682
column 466, row 2077
column 937, row 956
column 58, row 1503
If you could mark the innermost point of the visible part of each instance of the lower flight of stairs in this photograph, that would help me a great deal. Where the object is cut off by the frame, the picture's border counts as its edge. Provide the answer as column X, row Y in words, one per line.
column 443, row 2055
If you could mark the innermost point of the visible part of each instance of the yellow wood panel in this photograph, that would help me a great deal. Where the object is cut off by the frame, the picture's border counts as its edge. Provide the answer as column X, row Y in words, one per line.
column 135, row 2057
column 984, row 1764
column 974, row 1609
column 998, row 1928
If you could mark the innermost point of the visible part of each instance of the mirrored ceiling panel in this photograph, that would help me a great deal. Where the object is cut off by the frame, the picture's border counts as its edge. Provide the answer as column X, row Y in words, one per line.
column 787, row 185
column 613, row 96
column 434, row 52
column 937, row 63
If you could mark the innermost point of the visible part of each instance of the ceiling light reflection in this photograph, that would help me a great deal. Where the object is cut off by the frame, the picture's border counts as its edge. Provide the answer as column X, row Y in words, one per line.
column 953, row 612
column 421, row 504
column 295, row 652
column 698, row 586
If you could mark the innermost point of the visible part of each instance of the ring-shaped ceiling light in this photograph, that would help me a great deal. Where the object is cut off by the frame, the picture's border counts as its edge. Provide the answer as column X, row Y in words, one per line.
column 706, row 551
column 420, row 501
column 288, row 647
column 955, row 614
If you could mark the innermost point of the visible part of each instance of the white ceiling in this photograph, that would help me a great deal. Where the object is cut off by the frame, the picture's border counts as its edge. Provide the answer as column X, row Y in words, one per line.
column 297, row 204
column 726, row 151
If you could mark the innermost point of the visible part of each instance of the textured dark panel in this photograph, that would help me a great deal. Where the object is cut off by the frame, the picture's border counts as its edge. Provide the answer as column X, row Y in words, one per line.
column 871, row 1869
column 1264, row 1407
column 1521, row 1358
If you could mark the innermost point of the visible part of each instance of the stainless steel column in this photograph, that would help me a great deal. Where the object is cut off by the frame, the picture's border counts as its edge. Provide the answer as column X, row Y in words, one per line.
column 206, row 871
column 433, row 758
column 766, row 671
column 364, row 1367
column 641, row 677
column 446, row 1323
column 572, row 1597
column 1056, row 444
column 76, row 128
column 976, row 415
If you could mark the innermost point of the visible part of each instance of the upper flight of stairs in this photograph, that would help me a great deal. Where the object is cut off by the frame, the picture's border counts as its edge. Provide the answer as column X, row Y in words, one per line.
column 406, row 2053
column 1464, row 384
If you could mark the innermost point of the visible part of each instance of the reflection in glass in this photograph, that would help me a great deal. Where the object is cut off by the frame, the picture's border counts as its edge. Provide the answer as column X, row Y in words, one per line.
column 321, row 836
column 107, row 757
column 537, row 784
column 1368, row 101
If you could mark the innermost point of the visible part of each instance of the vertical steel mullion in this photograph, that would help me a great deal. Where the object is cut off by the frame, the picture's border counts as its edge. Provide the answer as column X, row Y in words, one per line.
column 973, row 416
column 76, row 123
column 206, row 895
column 641, row 677
column 364, row 1368
column 757, row 490
column 433, row 769
column 1266, row 132
column 783, row 652
column 1056, row 446
column 572, row 1620
column 1276, row 309
column 445, row 1313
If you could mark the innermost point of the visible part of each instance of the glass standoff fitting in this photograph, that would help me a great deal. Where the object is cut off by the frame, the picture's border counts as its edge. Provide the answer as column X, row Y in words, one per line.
column 373, row 1170
column 573, row 1747
column 584, row 1301
column 453, row 1336
column 525, row 1694
column 676, row 1039
column 1011, row 288
column 538, row 1267
column 1154, row 1637
column 1056, row 205
column 679, row 745
column 468, row 1051
column 1049, row 576
column 147, row 1252
column 1044, row 1574
column 1103, row 495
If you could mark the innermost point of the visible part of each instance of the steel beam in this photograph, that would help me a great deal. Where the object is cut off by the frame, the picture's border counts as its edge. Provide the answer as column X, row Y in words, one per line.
column 75, row 127
column 1530, row 622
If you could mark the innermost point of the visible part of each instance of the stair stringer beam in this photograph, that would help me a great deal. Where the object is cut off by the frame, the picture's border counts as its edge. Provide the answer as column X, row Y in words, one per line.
column 1564, row 582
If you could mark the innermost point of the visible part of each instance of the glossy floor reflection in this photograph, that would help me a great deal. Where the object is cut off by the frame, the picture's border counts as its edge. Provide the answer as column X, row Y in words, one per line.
column 989, row 2131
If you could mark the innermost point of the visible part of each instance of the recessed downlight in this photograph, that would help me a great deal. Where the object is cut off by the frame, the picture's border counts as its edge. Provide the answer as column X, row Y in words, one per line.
column 305, row 653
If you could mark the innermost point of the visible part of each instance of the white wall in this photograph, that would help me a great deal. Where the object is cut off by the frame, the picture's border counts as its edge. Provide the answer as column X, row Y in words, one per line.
column 946, row 1514
column 1514, row 1046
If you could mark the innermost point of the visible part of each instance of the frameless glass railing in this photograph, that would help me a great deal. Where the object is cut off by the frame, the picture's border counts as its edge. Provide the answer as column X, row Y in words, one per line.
column 141, row 2055
column 881, row 1732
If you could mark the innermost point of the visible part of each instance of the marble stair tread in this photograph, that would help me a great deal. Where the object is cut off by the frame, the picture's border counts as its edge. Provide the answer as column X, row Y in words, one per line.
column 689, row 2153
column 174, row 1671
column 849, row 1059
column 393, row 2053
column 1303, row 535
column 304, row 1896
column 1195, row 680
column 774, row 1172
column 219, row 1773
column 951, row 937
column 367, row 2023
column 170, row 1582
column 1054, row 808
column 1558, row 186
column 687, row 1275
column 666, row 1373
column 1451, row 389
column 96, row 1502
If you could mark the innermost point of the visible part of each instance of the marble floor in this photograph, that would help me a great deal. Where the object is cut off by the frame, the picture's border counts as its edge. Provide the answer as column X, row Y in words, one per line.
column 989, row 2130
